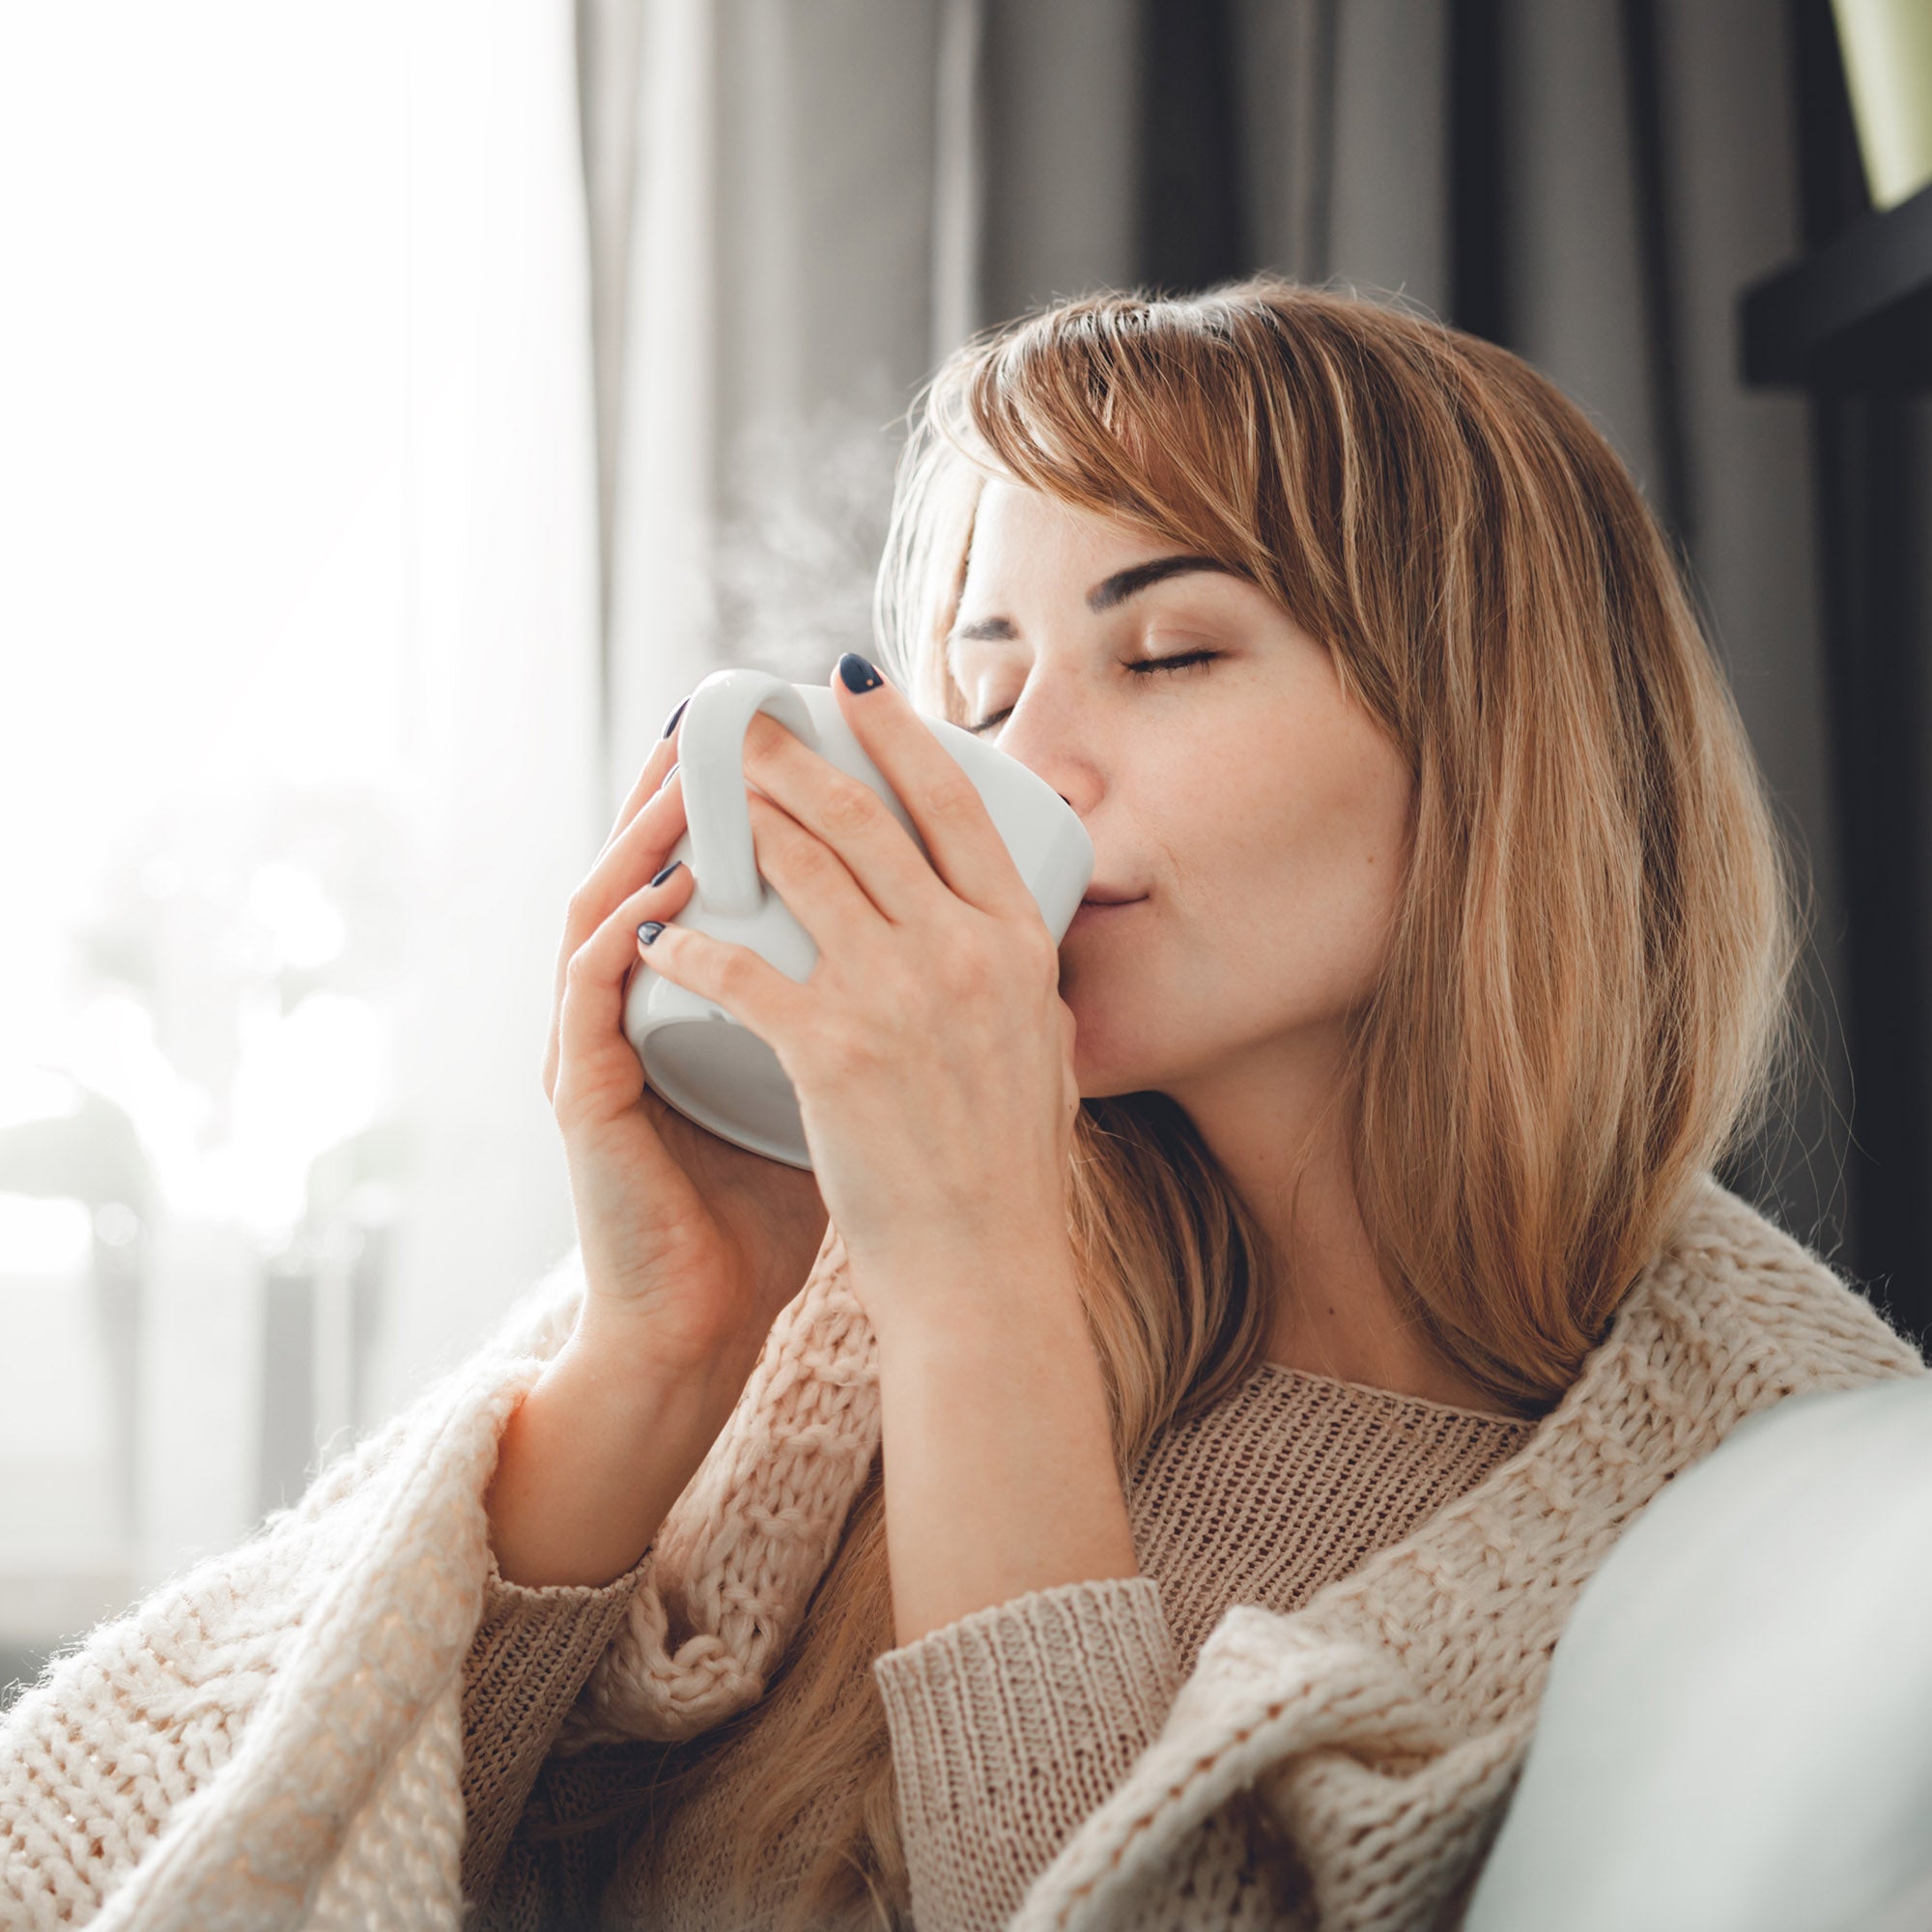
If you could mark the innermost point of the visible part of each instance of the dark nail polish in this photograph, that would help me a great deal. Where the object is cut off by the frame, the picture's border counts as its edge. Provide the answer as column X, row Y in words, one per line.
column 858, row 673
column 667, row 872
column 649, row 930
column 670, row 723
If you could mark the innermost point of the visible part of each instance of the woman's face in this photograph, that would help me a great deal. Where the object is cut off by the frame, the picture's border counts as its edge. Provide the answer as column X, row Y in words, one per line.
column 1255, row 817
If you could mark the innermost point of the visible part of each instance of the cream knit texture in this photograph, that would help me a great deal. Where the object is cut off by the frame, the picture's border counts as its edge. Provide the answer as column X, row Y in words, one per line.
column 274, row 1738
column 1005, row 1727
column 752, row 1534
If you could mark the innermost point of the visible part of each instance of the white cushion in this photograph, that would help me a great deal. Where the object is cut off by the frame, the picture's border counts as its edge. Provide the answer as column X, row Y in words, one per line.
column 1736, row 1733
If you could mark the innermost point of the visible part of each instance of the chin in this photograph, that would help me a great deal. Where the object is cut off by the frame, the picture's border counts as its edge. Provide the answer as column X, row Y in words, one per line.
column 1101, row 1071
column 1123, row 1040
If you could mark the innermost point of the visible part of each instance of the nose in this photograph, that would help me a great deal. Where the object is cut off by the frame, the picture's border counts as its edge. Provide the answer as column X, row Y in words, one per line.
column 1057, row 747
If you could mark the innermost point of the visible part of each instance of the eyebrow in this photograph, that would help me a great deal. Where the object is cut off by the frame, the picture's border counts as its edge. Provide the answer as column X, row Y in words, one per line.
column 1105, row 595
column 1125, row 583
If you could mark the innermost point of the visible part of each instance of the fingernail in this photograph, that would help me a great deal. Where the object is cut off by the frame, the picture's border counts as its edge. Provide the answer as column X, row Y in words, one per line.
column 649, row 930
column 858, row 672
column 667, row 872
column 666, row 779
column 670, row 723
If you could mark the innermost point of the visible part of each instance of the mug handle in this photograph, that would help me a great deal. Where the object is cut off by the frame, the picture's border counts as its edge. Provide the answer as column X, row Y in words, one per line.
column 711, row 763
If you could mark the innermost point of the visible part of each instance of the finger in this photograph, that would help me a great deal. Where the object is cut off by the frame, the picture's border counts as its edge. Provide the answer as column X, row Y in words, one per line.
column 848, row 817
column 664, row 755
column 940, row 798
column 811, row 879
column 743, row 982
column 599, row 1069
column 636, row 853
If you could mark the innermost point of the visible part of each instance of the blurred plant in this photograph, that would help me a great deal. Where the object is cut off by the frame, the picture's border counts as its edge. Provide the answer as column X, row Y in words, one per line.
column 231, row 984
column 212, row 901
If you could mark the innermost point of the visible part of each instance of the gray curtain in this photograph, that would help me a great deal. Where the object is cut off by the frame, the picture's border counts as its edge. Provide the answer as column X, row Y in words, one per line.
column 797, row 209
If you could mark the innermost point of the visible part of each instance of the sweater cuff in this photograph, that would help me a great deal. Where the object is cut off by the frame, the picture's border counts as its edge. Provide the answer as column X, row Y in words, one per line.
column 1009, row 1728
column 533, row 1648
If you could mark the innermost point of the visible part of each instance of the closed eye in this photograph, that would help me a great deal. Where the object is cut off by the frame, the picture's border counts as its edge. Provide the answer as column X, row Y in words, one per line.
column 1180, row 662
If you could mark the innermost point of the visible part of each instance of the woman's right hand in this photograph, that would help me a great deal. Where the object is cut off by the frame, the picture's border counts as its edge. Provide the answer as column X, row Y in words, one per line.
column 693, row 1240
column 690, row 1247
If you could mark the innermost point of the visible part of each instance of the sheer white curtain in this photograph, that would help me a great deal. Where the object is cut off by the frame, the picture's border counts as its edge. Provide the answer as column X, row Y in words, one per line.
column 299, row 697
column 503, row 610
column 765, row 182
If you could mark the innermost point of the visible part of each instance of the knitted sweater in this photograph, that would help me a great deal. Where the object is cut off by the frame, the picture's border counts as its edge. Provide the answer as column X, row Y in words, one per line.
column 1006, row 1726
column 275, row 1739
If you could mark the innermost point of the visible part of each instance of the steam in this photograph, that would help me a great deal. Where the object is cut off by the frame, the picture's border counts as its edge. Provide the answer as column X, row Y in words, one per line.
column 806, row 499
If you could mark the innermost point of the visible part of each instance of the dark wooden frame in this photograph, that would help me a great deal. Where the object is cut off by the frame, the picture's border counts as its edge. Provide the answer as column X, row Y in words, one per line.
column 1851, row 322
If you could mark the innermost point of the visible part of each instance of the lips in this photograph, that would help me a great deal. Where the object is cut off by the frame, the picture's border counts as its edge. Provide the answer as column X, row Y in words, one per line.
column 1102, row 912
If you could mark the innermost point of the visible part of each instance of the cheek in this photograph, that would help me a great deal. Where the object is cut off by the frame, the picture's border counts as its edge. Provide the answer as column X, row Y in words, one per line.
column 1291, row 846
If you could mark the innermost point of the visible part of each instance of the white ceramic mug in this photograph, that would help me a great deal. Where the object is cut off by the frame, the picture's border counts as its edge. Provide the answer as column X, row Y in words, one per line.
column 695, row 1055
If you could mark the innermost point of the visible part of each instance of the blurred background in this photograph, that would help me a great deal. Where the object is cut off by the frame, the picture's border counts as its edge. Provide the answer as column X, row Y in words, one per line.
column 403, row 404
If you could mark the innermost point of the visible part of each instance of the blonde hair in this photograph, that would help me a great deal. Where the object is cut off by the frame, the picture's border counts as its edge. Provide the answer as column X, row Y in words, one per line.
column 1585, row 996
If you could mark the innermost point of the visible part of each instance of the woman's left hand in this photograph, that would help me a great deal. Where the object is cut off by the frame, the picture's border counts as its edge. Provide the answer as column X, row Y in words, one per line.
column 930, row 1050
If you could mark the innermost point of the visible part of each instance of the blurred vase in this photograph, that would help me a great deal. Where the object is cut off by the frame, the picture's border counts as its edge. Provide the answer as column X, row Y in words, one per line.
column 1887, row 46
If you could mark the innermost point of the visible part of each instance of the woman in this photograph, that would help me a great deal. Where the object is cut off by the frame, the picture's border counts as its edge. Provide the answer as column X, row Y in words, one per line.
column 1160, row 1507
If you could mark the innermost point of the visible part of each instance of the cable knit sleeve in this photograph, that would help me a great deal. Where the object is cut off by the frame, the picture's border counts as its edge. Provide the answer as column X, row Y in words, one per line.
column 532, row 1650
column 1009, row 1728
